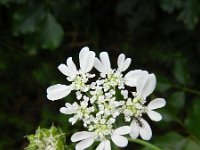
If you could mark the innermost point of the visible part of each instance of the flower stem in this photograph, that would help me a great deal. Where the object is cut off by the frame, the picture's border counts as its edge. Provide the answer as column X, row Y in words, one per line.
column 144, row 143
column 186, row 89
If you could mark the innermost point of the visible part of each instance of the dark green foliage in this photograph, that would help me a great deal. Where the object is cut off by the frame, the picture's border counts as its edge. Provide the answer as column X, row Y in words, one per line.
column 160, row 36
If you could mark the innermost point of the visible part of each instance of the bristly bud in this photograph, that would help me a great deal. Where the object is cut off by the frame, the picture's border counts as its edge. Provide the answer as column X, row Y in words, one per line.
column 47, row 139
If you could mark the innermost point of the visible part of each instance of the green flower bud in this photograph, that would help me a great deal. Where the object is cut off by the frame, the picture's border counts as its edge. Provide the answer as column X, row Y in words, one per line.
column 47, row 139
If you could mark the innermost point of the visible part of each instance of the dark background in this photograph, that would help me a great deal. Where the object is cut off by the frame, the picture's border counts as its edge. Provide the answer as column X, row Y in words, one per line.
column 161, row 36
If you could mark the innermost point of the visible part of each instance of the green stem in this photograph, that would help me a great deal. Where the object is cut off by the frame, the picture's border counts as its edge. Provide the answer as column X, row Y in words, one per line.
column 144, row 143
column 186, row 89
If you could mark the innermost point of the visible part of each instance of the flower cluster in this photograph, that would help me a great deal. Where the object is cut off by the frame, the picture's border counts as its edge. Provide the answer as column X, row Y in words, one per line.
column 102, row 99
column 47, row 139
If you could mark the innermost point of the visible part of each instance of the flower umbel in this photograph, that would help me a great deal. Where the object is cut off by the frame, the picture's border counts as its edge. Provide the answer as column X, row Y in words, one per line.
column 100, row 103
column 47, row 139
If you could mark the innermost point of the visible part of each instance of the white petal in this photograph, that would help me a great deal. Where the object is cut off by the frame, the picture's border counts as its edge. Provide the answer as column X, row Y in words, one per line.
column 69, row 109
column 83, row 52
column 131, row 77
column 105, row 61
column 71, row 65
column 98, row 65
column 153, row 115
column 120, row 60
column 81, row 135
column 122, row 130
column 85, row 143
column 134, row 130
column 104, row 145
column 83, row 57
column 156, row 103
column 126, row 64
column 66, row 71
column 145, row 130
column 149, row 85
column 89, row 62
column 101, row 146
column 141, row 81
column 119, row 140
column 57, row 91
column 107, row 145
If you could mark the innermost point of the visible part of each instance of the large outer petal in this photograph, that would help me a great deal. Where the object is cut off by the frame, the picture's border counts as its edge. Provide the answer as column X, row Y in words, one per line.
column 145, row 130
column 141, row 81
column 71, row 65
column 120, row 61
column 66, row 70
column 83, row 52
column 81, row 136
column 156, row 103
column 89, row 62
column 107, row 145
column 126, row 64
column 99, row 66
column 149, row 86
column 131, row 77
column 83, row 56
column 58, row 91
column 153, row 115
column 134, row 130
column 105, row 61
column 104, row 145
column 101, row 146
column 119, row 140
column 122, row 130
column 85, row 143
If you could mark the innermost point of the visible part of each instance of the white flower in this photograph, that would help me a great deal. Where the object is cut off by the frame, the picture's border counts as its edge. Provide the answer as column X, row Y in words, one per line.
column 143, row 81
column 98, row 106
column 69, row 108
column 58, row 91
column 104, row 145
column 103, row 65
column 81, row 111
column 87, row 139
column 142, row 128
column 77, row 77
column 123, row 63
column 86, row 60
column 154, row 104
column 113, row 77
column 117, row 137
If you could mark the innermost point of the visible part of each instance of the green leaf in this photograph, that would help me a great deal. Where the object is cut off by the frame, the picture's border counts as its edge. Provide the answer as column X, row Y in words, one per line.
column 52, row 33
column 174, row 104
column 177, row 100
column 6, row 2
column 180, row 71
column 175, row 141
column 163, row 83
column 170, row 5
column 171, row 141
column 28, row 19
column 192, row 145
column 192, row 123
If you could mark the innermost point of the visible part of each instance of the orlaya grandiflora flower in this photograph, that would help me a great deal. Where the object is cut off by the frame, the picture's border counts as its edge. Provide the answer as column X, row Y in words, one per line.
column 80, row 112
column 145, row 85
column 77, row 77
column 103, row 65
column 87, row 139
column 114, row 76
